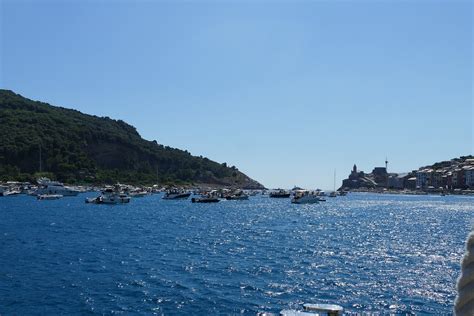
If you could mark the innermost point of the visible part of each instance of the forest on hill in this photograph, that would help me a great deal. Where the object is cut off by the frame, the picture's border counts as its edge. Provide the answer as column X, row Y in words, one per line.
column 73, row 147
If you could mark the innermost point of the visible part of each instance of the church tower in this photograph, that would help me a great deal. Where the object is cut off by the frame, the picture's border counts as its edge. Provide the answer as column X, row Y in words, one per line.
column 354, row 169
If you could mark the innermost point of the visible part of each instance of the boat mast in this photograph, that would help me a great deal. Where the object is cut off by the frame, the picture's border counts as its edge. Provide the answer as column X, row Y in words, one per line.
column 334, row 188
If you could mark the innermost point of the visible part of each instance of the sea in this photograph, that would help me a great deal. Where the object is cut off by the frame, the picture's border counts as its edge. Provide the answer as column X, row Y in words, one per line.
column 370, row 253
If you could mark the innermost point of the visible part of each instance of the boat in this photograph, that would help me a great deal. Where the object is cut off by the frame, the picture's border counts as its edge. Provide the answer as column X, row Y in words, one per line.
column 210, row 197
column 96, row 200
column 238, row 195
column 49, row 196
column 205, row 200
column 110, row 196
column 305, row 197
column 46, row 186
column 279, row 194
column 11, row 192
column 333, row 194
column 176, row 195
column 138, row 193
column 316, row 310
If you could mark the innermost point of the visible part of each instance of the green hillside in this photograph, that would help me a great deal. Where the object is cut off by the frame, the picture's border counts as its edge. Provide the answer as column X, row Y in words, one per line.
column 81, row 148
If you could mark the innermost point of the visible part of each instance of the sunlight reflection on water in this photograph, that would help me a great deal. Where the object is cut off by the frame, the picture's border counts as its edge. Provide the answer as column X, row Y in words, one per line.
column 365, row 252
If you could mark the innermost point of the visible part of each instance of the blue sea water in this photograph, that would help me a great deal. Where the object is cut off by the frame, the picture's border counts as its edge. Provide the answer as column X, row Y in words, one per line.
column 366, row 252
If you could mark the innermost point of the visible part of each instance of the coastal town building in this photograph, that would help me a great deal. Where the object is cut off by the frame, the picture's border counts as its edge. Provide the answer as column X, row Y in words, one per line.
column 469, row 175
column 455, row 174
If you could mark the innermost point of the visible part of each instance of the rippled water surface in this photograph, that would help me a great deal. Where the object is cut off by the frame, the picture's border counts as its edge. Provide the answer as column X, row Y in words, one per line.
column 365, row 252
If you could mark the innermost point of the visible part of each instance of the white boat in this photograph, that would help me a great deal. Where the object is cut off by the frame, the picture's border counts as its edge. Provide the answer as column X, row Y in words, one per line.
column 11, row 192
column 138, row 193
column 305, row 197
column 176, row 195
column 47, row 186
column 49, row 196
column 333, row 194
column 110, row 196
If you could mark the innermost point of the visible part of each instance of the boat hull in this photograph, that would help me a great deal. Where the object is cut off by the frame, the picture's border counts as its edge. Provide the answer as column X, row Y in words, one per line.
column 204, row 200
column 49, row 197
column 181, row 196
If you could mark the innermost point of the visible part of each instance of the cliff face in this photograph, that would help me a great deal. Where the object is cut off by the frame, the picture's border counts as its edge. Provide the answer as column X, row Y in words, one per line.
column 77, row 147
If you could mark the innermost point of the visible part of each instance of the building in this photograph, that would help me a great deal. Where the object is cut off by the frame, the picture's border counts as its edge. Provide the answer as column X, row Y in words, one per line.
column 423, row 178
column 469, row 176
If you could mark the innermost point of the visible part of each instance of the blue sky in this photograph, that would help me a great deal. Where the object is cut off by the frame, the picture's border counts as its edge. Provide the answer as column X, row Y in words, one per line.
column 286, row 91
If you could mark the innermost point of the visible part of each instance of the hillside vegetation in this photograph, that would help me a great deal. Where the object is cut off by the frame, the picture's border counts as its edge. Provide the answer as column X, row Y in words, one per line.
column 80, row 148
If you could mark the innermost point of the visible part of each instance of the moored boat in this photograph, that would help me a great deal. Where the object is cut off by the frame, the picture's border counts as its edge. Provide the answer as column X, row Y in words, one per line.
column 305, row 197
column 279, row 194
column 49, row 196
column 110, row 196
column 205, row 200
column 211, row 197
column 176, row 195
column 237, row 195
column 46, row 186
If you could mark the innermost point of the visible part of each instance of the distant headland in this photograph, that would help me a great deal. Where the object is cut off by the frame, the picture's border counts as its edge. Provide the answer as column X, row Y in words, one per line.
column 39, row 139
column 452, row 176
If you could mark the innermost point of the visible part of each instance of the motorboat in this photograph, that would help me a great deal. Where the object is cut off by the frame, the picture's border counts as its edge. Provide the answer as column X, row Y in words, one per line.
column 11, row 192
column 138, row 193
column 305, row 197
column 49, row 196
column 310, row 310
column 211, row 197
column 279, row 194
column 205, row 200
column 238, row 195
column 176, row 195
column 110, row 196
column 46, row 186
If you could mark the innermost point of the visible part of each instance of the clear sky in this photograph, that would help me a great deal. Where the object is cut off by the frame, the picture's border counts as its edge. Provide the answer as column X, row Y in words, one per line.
column 288, row 91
